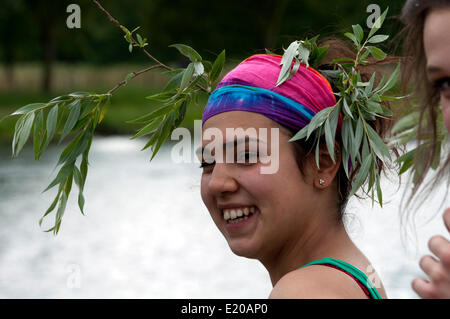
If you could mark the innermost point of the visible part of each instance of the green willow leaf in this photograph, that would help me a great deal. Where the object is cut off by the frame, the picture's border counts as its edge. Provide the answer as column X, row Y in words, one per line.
column 149, row 128
column 78, row 178
column 60, row 212
column 75, row 148
column 364, row 56
column 63, row 173
column 369, row 87
column 187, row 51
column 317, row 142
column 378, row 39
column 319, row 55
column 28, row 108
column 303, row 56
column 154, row 137
column 38, row 134
column 300, row 134
column 17, row 128
column 365, row 148
column 359, row 133
column 377, row 144
column 139, row 38
column 352, row 37
column 391, row 82
column 358, row 32
column 24, row 132
column 286, row 62
column 207, row 66
column 318, row 120
column 71, row 120
column 362, row 175
column 330, row 131
column 217, row 66
column 294, row 68
column 379, row 192
column 187, row 77
column 84, row 167
column 52, row 205
column 378, row 23
column 407, row 161
column 161, row 96
column 377, row 53
column 152, row 115
column 199, row 69
column 175, row 81
column 62, row 98
column 346, row 162
column 347, row 110
column 52, row 119
column 166, row 130
column 347, row 134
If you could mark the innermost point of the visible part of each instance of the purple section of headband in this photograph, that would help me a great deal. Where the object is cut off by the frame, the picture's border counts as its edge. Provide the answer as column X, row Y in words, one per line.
column 243, row 98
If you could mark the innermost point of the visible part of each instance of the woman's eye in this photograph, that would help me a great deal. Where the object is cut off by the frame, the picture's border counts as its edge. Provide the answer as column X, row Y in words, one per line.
column 206, row 164
column 442, row 84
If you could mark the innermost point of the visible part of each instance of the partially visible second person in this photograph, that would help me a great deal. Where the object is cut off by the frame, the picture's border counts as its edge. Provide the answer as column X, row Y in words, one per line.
column 427, row 44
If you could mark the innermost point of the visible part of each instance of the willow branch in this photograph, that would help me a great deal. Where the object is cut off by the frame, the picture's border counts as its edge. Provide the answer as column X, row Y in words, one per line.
column 116, row 22
column 160, row 64
column 134, row 74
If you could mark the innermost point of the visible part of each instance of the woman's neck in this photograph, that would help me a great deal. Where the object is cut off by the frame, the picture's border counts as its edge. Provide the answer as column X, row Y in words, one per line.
column 315, row 243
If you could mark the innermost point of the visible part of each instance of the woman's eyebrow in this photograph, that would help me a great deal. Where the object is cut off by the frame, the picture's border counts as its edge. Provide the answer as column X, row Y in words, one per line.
column 235, row 142
column 241, row 140
column 433, row 69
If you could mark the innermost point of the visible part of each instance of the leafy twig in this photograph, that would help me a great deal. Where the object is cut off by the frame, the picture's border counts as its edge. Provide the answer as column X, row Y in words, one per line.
column 117, row 23
column 79, row 113
column 359, row 103
column 132, row 75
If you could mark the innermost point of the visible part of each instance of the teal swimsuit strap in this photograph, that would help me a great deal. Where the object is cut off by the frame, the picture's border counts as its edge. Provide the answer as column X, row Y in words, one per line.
column 355, row 272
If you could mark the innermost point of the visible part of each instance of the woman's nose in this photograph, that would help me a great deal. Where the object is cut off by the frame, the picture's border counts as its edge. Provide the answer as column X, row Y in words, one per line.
column 222, row 181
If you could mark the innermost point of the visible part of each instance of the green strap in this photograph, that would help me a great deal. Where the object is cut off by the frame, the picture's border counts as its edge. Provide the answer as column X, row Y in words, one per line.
column 355, row 272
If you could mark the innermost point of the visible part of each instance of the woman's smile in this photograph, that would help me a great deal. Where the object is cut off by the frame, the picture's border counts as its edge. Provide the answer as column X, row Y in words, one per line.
column 240, row 219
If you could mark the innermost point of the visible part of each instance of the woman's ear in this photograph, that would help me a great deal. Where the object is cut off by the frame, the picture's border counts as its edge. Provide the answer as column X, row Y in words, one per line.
column 324, row 174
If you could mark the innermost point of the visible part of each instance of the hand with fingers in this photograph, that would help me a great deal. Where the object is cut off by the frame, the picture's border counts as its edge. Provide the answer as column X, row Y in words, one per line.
column 437, row 268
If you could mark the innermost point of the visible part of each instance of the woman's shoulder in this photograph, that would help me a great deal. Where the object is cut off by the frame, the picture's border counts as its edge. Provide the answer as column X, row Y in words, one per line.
column 316, row 282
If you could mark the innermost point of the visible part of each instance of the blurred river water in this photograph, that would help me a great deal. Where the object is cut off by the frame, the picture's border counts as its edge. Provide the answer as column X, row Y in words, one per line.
column 147, row 234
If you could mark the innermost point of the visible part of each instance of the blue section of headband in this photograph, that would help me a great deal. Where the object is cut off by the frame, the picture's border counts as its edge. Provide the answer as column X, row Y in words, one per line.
column 254, row 99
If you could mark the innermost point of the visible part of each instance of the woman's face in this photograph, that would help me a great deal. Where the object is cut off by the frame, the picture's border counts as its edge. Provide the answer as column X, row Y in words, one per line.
column 437, row 50
column 280, row 201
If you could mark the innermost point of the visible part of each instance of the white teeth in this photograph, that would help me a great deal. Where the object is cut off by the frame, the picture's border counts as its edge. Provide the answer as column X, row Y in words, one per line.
column 237, row 214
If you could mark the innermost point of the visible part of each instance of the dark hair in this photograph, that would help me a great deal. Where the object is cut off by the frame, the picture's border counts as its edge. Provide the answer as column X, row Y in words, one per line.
column 340, row 49
column 424, row 94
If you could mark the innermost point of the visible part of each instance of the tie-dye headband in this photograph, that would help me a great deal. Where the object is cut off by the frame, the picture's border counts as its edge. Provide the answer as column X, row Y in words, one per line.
column 251, row 86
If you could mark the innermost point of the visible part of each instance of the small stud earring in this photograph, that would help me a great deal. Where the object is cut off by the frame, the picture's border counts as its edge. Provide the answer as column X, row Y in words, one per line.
column 321, row 181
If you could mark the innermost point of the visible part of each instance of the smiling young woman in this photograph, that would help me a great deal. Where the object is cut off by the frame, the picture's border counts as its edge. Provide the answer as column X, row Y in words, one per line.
column 427, row 44
column 289, row 220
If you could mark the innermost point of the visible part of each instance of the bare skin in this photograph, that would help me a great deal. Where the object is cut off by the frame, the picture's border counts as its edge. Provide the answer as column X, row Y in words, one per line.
column 437, row 50
column 295, row 220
